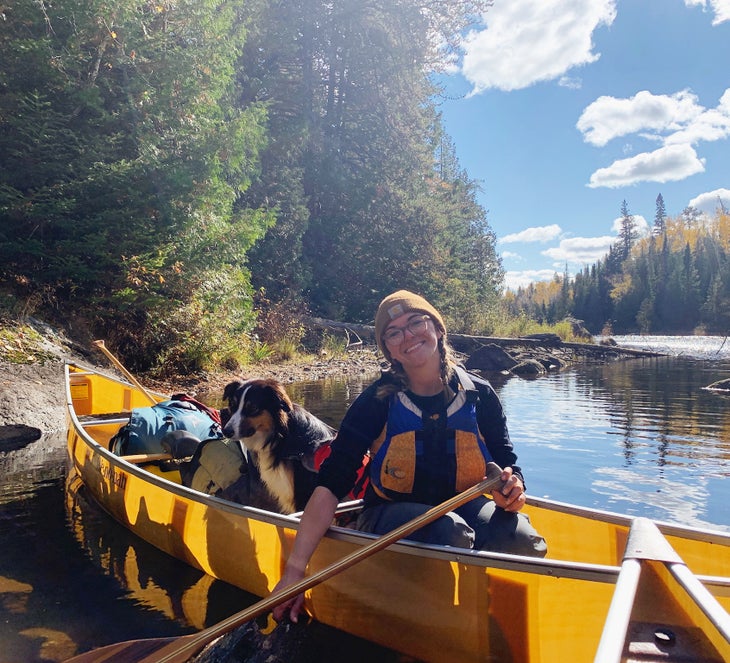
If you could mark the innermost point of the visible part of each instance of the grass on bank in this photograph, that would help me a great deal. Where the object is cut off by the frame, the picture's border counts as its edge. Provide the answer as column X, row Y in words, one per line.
column 22, row 344
column 511, row 327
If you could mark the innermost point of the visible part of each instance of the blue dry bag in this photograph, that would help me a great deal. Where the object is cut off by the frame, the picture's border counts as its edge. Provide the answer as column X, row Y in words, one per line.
column 148, row 425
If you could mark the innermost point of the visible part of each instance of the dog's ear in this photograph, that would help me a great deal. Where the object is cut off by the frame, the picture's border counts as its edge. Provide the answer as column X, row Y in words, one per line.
column 284, row 400
column 284, row 406
column 231, row 389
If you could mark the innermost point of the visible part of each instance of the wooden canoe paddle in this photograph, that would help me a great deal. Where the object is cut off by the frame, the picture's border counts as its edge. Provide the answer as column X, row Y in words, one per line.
column 127, row 374
column 180, row 649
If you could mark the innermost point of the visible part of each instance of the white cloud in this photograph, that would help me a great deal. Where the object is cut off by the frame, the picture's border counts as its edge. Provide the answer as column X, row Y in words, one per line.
column 514, row 280
column 710, row 125
column 537, row 234
column 667, row 164
column 580, row 250
column 571, row 82
column 526, row 41
column 608, row 117
column 721, row 8
column 676, row 121
column 511, row 255
column 709, row 202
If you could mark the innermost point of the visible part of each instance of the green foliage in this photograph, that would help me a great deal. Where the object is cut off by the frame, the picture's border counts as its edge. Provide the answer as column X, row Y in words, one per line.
column 163, row 162
column 521, row 325
column 333, row 346
column 369, row 194
column 261, row 351
column 123, row 159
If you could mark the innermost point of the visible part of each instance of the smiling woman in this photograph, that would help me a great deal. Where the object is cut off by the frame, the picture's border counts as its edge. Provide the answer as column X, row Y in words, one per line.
column 430, row 429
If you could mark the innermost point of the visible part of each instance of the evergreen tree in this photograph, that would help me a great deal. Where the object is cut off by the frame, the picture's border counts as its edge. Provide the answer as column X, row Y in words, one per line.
column 357, row 145
column 672, row 287
column 627, row 233
column 122, row 158
column 660, row 218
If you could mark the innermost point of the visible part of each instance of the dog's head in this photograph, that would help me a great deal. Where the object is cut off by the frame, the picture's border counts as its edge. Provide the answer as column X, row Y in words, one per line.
column 258, row 410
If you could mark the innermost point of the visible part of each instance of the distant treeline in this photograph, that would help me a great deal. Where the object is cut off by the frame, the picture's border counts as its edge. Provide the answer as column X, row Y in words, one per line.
column 169, row 169
column 676, row 280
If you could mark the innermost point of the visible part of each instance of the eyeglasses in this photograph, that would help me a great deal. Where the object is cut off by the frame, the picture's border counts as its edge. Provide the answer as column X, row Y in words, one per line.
column 395, row 335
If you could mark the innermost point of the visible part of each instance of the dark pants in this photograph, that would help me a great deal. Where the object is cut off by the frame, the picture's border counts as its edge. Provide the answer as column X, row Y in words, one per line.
column 478, row 524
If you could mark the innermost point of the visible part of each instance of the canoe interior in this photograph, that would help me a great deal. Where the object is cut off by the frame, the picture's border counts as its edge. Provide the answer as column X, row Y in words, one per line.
column 431, row 603
column 673, row 629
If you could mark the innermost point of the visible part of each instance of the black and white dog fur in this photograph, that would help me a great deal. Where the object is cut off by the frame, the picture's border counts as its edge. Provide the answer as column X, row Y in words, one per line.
column 280, row 438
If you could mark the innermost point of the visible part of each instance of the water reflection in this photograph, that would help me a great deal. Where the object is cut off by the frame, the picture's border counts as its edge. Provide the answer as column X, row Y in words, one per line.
column 330, row 397
column 639, row 436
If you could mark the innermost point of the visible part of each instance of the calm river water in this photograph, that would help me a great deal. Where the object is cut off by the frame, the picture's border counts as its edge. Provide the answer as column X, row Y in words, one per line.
column 640, row 437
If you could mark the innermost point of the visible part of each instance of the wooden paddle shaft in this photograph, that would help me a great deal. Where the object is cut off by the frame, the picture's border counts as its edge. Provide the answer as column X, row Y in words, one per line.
column 127, row 374
column 178, row 650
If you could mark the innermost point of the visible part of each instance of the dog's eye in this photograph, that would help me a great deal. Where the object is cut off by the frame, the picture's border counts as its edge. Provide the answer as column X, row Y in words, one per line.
column 251, row 410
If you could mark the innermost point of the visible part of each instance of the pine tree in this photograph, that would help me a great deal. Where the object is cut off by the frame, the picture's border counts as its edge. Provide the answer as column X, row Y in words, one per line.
column 358, row 165
column 123, row 156
column 660, row 218
column 627, row 234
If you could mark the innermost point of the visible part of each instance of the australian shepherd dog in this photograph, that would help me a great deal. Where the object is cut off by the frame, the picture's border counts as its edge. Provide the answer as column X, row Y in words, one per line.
column 281, row 438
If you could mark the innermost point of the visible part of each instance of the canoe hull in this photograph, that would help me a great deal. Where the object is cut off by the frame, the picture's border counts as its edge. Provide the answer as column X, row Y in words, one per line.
column 429, row 602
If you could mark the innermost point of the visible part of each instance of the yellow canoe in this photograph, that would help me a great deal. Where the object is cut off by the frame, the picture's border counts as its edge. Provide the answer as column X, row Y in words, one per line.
column 430, row 602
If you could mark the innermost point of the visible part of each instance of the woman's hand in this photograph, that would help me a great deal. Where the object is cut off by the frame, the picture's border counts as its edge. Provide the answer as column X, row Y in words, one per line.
column 292, row 606
column 315, row 521
column 511, row 496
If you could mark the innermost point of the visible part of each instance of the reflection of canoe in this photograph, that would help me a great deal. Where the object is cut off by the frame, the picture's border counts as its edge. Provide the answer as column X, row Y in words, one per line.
column 659, row 610
column 430, row 602
column 173, row 589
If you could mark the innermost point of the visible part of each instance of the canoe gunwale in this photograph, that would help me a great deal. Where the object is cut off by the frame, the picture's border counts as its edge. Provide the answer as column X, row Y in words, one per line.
column 666, row 528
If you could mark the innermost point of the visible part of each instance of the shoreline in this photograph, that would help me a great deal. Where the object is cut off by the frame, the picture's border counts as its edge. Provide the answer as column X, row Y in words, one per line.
column 32, row 396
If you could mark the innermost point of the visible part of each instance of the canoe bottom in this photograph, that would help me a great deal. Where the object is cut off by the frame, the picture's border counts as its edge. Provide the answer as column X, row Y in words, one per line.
column 648, row 642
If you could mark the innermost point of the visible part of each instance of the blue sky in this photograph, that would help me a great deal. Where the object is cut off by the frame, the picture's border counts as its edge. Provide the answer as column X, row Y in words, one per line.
column 562, row 109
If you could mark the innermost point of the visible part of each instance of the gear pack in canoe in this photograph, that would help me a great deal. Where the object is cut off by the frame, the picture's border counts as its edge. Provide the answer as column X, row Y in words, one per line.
column 149, row 425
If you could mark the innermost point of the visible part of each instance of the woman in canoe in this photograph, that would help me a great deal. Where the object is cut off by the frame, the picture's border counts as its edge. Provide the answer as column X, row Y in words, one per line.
column 430, row 428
